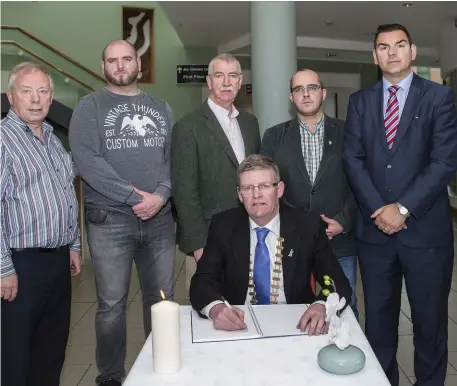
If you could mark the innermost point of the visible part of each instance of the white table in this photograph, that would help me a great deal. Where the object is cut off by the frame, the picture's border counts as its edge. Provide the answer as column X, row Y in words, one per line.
column 287, row 361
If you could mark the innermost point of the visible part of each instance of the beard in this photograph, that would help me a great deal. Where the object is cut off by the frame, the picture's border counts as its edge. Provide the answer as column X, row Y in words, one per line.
column 122, row 80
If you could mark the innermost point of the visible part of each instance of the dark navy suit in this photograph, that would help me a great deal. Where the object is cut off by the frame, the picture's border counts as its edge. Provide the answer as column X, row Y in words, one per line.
column 415, row 173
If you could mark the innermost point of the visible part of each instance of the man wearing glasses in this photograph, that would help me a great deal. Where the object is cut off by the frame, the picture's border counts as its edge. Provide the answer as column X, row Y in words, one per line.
column 307, row 150
column 206, row 148
column 259, row 254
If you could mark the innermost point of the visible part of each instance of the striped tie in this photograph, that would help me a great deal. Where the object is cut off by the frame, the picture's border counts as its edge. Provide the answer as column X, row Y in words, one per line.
column 391, row 118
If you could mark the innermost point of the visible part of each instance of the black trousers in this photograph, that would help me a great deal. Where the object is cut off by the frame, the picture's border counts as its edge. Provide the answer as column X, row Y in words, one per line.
column 36, row 324
column 428, row 275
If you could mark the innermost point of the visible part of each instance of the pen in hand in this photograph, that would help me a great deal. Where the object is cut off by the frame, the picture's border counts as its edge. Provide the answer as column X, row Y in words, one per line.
column 229, row 306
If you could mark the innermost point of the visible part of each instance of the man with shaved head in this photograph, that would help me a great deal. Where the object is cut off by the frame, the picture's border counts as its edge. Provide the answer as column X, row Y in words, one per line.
column 120, row 139
column 307, row 150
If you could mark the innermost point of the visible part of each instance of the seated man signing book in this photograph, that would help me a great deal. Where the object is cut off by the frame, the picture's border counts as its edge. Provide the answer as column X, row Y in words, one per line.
column 264, row 253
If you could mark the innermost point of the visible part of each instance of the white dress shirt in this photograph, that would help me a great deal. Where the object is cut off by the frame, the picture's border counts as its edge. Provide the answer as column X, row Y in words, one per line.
column 272, row 241
column 229, row 123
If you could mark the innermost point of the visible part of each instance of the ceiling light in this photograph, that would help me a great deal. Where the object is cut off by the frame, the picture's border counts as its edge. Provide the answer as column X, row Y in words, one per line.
column 407, row 5
column 331, row 54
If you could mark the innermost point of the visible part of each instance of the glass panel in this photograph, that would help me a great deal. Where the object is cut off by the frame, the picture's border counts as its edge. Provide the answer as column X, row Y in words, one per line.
column 423, row 72
column 54, row 58
column 66, row 90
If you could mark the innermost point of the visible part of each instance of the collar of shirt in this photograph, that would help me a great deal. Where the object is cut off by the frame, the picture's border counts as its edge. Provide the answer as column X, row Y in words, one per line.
column 319, row 125
column 220, row 112
column 15, row 118
column 272, row 226
column 405, row 84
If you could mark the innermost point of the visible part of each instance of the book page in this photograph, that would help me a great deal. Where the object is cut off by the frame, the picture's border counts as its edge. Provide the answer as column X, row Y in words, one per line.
column 204, row 331
column 277, row 320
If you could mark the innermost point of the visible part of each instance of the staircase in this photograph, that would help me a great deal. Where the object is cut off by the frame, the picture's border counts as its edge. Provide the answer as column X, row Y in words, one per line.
column 71, row 79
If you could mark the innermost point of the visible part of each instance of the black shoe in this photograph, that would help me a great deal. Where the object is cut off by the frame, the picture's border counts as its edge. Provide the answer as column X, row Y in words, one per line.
column 110, row 382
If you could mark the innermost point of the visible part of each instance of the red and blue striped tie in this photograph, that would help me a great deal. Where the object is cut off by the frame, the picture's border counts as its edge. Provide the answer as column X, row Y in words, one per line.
column 392, row 116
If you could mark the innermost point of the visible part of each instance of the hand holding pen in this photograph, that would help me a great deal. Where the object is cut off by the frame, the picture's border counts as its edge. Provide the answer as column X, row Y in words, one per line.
column 227, row 317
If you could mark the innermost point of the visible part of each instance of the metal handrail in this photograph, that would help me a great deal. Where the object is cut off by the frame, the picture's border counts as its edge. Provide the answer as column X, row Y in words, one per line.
column 55, row 50
column 12, row 42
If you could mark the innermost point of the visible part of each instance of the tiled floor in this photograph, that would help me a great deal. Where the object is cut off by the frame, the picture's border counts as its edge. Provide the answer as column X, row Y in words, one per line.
column 80, row 368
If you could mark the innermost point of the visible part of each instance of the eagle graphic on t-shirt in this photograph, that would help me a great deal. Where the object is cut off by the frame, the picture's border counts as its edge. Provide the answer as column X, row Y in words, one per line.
column 138, row 126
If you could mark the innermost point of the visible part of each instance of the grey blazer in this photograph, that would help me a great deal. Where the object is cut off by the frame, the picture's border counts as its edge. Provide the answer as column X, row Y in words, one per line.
column 203, row 171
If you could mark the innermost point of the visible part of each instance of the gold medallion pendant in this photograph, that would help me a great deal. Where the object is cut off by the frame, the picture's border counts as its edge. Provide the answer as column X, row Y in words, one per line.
column 275, row 280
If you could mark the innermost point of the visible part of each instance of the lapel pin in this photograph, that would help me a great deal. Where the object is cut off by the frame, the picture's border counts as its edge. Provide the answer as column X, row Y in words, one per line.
column 291, row 253
column 329, row 142
column 416, row 118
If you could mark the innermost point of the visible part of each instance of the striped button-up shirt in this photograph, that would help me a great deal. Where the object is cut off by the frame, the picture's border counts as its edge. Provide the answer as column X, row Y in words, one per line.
column 312, row 145
column 38, row 200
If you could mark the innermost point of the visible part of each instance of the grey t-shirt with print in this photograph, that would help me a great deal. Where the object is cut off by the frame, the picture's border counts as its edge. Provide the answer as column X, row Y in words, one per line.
column 119, row 142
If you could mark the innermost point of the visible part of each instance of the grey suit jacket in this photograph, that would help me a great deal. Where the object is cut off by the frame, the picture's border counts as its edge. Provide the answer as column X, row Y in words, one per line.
column 203, row 171
column 330, row 193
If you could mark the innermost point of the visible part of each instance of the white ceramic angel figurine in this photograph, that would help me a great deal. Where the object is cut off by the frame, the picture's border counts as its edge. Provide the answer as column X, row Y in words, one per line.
column 339, row 330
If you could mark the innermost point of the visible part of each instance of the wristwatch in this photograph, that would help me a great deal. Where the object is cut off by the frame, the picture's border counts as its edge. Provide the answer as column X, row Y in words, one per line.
column 403, row 210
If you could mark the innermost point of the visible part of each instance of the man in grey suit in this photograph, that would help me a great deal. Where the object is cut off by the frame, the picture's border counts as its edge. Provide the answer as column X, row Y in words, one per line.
column 206, row 148
column 307, row 150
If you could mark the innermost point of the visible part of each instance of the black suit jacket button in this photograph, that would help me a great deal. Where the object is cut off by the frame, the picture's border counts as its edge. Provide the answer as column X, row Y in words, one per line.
column 313, row 191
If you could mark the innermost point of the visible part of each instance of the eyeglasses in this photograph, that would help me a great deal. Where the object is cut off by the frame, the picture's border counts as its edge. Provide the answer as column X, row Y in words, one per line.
column 246, row 190
column 311, row 88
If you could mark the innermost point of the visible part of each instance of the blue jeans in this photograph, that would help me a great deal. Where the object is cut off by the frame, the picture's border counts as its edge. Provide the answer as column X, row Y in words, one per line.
column 349, row 266
column 116, row 240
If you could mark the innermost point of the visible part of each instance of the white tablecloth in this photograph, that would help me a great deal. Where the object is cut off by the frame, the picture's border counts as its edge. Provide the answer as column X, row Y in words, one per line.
column 287, row 361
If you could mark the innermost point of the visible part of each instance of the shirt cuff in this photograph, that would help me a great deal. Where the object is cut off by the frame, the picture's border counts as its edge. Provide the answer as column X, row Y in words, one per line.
column 207, row 309
column 7, row 266
column 319, row 302
column 75, row 248
column 76, row 245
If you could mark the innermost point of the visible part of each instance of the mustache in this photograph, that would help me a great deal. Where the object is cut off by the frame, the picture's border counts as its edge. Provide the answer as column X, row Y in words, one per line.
column 226, row 88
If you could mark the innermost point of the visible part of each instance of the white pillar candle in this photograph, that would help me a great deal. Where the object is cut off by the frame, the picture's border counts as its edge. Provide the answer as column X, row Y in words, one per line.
column 166, row 337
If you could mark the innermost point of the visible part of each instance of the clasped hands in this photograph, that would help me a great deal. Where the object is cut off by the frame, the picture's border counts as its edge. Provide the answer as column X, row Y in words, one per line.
column 389, row 220
column 232, row 319
column 149, row 206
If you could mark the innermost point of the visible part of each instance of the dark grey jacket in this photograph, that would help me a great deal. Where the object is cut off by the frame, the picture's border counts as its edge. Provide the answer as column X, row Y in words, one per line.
column 203, row 171
column 330, row 194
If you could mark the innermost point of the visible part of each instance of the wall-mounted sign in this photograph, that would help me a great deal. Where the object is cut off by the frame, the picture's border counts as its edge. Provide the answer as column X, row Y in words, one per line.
column 186, row 73
column 137, row 29
column 248, row 89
